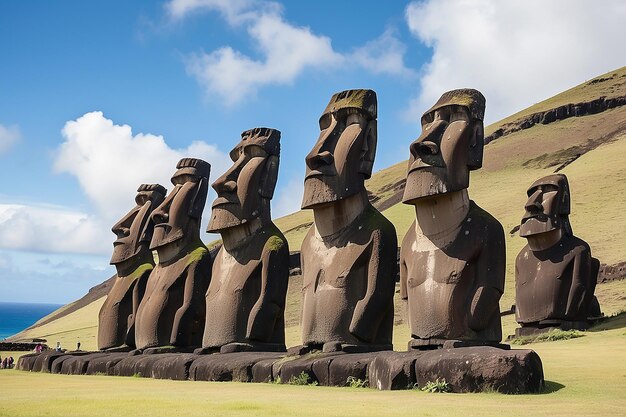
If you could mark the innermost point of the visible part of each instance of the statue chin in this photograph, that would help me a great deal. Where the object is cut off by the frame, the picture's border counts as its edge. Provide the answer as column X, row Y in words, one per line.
column 317, row 192
column 222, row 218
column 534, row 226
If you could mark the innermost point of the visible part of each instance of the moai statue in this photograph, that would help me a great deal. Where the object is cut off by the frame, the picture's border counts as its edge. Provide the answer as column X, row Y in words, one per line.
column 171, row 312
column 349, row 254
column 245, row 302
column 133, row 261
column 555, row 275
column 452, row 259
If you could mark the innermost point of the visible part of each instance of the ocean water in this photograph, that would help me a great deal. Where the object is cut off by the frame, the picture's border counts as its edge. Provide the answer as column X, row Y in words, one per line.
column 15, row 317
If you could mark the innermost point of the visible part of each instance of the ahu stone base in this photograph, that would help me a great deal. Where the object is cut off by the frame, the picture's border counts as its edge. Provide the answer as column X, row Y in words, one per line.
column 467, row 369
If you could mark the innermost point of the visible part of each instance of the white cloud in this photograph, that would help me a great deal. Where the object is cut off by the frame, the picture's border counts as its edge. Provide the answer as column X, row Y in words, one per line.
column 285, row 50
column 8, row 136
column 516, row 52
column 110, row 162
column 42, row 228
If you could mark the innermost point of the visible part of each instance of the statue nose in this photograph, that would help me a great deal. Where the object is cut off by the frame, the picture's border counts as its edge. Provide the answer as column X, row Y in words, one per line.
column 320, row 159
column 160, row 217
column 424, row 148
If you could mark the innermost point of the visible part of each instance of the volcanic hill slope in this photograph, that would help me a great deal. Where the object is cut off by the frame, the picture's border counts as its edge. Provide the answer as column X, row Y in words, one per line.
column 580, row 132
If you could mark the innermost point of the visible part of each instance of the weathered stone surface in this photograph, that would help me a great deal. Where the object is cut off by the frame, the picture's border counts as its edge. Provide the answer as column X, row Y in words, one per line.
column 393, row 370
column 172, row 311
column 43, row 361
column 174, row 367
column 139, row 365
column 74, row 363
column 477, row 369
column 555, row 274
column 228, row 366
column 348, row 255
column 134, row 262
column 105, row 364
column 245, row 302
column 27, row 362
column 452, row 259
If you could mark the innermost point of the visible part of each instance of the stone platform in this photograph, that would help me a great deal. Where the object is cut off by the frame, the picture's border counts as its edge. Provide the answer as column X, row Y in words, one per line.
column 466, row 369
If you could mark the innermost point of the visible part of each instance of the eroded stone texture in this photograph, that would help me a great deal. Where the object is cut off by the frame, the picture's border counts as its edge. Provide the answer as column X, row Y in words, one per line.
column 245, row 302
column 452, row 259
column 133, row 261
column 239, row 366
column 555, row 274
column 468, row 369
column 348, row 255
column 172, row 311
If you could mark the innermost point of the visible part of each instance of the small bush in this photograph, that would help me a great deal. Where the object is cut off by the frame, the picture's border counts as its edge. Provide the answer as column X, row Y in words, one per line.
column 436, row 386
column 137, row 375
column 302, row 379
column 353, row 382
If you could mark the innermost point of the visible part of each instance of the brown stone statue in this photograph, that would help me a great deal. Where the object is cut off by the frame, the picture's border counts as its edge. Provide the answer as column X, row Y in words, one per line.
column 245, row 302
column 171, row 312
column 555, row 275
column 452, row 259
column 349, row 254
column 134, row 262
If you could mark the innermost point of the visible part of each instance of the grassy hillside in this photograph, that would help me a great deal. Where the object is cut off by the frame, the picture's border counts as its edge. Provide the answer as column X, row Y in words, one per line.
column 590, row 149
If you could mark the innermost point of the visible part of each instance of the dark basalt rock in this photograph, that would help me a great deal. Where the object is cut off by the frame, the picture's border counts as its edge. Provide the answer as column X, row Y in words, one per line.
column 467, row 369
column 70, row 364
column 471, row 369
column 478, row 369
column 104, row 364
column 230, row 366
column 43, row 362
column 26, row 362
column 173, row 367
column 393, row 370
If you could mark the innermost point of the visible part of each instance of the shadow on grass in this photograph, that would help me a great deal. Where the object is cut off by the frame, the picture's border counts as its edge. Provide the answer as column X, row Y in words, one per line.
column 551, row 387
column 617, row 321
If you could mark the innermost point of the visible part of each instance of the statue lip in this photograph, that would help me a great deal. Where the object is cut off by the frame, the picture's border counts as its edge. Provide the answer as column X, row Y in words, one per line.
column 222, row 200
column 318, row 173
column 420, row 164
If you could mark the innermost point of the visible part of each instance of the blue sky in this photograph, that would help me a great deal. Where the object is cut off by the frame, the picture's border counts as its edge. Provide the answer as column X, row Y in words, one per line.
column 98, row 97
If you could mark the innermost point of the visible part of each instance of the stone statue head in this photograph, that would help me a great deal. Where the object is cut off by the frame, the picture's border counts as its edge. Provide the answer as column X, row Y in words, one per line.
column 134, row 230
column 245, row 190
column 548, row 206
column 343, row 156
column 177, row 218
column 451, row 144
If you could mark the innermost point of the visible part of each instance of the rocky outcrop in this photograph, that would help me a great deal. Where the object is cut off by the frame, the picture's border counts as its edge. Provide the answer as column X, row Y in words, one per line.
column 559, row 113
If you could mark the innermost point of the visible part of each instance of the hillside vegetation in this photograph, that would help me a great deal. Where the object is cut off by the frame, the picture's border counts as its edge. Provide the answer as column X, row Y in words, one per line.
column 589, row 149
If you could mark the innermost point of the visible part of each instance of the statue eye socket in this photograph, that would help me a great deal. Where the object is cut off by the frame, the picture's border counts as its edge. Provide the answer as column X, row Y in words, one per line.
column 253, row 151
column 458, row 113
column 325, row 121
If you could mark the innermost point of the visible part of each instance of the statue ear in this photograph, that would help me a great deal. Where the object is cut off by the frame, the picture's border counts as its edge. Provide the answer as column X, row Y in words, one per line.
column 564, row 206
column 148, row 227
column 269, row 176
column 476, row 145
column 368, row 153
column 199, row 198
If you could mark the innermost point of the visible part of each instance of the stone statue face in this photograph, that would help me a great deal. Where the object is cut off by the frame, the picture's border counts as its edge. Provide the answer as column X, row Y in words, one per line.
column 547, row 207
column 178, row 216
column 244, row 191
column 134, row 230
column 343, row 155
column 451, row 144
